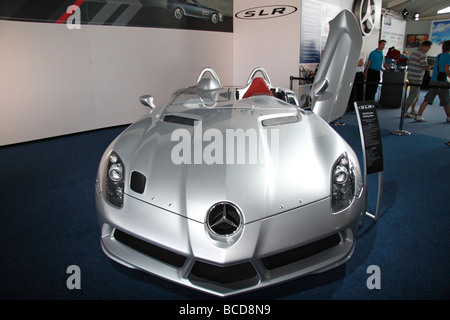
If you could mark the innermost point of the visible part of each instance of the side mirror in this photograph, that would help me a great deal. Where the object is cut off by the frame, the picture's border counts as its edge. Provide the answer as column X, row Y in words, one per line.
column 147, row 101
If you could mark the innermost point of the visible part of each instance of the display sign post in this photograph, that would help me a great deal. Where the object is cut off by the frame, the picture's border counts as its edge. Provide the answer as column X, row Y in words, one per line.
column 372, row 151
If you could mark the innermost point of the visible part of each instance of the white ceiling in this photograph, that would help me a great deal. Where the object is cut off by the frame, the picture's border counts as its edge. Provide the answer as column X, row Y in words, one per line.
column 426, row 8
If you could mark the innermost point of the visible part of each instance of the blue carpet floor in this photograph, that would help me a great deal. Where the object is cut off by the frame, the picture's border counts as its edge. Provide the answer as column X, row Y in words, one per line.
column 48, row 223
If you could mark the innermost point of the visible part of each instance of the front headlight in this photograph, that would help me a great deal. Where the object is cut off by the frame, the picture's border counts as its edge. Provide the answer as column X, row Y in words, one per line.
column 343, row 184
column 114, row 180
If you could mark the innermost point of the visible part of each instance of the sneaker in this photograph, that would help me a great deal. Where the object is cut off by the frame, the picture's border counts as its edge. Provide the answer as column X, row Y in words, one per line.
column 419, row 118
column 410, row 115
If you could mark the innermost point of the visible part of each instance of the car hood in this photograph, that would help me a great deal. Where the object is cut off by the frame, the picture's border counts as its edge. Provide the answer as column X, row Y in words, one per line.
column 294, row 153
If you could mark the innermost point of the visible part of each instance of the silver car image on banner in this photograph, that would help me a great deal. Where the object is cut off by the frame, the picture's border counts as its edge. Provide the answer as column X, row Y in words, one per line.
column 193, row 8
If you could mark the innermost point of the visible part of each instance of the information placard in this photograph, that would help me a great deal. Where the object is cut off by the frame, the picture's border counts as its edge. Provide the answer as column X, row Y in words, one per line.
column 370, row 136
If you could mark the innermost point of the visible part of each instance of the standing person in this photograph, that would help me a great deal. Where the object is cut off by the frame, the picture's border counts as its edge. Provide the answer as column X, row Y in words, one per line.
column 359, row 78
column 373, row 70
column 416, row 69
column 440, row 73
column 357, row 93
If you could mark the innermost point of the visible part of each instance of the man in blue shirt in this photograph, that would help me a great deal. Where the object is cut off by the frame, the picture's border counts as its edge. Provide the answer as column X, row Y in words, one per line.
column 441, row 66
column 373, row 70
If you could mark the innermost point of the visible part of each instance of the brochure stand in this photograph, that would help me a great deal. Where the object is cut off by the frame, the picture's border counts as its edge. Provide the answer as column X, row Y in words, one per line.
column 372, row 152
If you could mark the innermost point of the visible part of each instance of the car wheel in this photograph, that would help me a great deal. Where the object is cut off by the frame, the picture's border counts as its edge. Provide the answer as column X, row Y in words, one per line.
column 215, row 18
column 178, row 13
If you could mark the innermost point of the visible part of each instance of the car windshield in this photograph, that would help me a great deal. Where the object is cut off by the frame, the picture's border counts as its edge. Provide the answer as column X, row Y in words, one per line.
column 225, row 98
column 192, row 98
column 194, row 3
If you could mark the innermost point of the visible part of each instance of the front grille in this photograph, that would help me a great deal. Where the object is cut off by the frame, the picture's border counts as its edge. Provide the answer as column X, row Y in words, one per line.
column 149, row 249
column 222, row 275
column 300, row 253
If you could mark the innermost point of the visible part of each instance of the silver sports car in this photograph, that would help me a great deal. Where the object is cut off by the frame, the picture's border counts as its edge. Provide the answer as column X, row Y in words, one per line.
column 232, row 189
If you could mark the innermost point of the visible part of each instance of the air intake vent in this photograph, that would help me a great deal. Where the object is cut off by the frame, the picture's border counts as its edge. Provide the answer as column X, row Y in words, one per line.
column 137, row 182
column 149, row 249
column 279, row 121
column 300, row 253
column 222, row 275
column 180, row 120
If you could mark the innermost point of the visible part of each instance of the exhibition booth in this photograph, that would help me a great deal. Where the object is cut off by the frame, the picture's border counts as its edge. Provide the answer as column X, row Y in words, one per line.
column 63, row 78
column 76, row 74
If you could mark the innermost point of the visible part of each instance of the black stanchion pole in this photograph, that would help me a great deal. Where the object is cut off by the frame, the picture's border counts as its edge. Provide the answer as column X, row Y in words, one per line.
column 400, row 131
column 364, row 89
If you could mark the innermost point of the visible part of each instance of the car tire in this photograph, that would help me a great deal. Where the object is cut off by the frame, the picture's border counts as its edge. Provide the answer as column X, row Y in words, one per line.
column 214, row 18
column 178, row 13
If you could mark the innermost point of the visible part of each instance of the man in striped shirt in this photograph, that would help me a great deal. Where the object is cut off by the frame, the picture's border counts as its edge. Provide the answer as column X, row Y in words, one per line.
column 417, row 65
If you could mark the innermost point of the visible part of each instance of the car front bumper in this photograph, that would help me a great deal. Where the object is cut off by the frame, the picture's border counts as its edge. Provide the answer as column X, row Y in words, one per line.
column 288, row 245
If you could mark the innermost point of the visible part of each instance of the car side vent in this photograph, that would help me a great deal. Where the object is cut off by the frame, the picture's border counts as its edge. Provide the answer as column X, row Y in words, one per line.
column 300, row 253
column 228, row 275
column 279, row 121
column 149, row 249
column 137, row 182
column 180, row 120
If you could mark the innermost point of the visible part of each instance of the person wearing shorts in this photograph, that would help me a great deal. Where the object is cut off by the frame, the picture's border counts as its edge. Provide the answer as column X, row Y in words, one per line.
column 440, row 88
column 417, row 65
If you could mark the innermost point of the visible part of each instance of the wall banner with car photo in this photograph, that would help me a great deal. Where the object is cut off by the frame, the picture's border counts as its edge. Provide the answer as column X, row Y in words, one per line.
column 208, row 15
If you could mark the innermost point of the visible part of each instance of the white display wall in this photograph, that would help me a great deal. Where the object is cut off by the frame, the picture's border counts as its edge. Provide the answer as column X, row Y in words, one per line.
column 56, row 81
column 272, row 43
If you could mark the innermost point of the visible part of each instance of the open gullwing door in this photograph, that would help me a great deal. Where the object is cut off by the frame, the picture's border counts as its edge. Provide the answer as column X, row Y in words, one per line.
column 336, row 73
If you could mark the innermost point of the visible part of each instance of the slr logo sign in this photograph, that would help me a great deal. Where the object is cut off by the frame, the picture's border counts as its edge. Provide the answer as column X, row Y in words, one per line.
column 265, row 12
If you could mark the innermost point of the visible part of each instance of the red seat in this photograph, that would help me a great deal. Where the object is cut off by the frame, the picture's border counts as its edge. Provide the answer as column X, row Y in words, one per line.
column 257, row 87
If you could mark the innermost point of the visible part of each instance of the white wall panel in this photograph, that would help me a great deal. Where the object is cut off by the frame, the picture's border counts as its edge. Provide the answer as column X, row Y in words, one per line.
column 56, row 81
column 272, row 43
